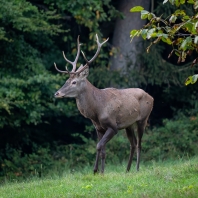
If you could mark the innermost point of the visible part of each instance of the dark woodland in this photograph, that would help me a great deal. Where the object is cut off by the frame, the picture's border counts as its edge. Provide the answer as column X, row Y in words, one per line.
column 39, row 133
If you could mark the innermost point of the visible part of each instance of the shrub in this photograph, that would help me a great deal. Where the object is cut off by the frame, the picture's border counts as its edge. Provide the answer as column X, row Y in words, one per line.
column 175, row 138
column 178, row 137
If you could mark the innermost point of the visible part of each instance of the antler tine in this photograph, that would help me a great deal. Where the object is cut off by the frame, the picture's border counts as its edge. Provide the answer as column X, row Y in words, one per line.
column 97, row 52
column 77, row 56
column 85, row 57
column 66, row 72
column 76, row 59
column 67, row 59
column 99, row 47
column 97, row 40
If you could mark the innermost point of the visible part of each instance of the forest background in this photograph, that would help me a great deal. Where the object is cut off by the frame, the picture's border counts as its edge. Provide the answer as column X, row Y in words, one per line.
column 39, row 134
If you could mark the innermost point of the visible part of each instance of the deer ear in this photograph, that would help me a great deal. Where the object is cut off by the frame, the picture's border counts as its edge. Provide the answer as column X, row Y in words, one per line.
column 84, row 73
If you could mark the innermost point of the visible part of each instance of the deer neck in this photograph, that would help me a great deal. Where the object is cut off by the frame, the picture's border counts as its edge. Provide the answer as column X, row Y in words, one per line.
column 87, row 100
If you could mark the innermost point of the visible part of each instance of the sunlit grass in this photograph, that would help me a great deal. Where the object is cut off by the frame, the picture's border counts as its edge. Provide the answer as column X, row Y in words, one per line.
column 170, row 179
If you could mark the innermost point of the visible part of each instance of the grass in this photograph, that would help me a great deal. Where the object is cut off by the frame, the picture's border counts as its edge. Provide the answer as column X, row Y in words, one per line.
column 169, row 179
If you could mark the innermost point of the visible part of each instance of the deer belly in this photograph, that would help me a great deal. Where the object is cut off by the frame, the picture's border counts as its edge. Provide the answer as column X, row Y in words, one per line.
column 126, row 119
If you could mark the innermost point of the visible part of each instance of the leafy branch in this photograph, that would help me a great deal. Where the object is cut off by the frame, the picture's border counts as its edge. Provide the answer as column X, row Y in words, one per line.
column 180, row 30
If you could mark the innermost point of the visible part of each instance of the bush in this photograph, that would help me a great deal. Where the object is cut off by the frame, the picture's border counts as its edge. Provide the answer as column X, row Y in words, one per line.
column 175, row 138
column 178, row 137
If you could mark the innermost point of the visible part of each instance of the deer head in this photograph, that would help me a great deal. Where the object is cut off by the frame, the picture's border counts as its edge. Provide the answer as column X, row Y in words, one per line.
column 74, row 85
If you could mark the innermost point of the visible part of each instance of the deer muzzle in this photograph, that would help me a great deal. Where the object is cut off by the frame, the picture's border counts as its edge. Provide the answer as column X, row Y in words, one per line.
column 58, row 94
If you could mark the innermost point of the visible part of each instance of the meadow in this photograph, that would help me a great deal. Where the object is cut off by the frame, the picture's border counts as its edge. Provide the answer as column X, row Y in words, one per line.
column 177, row 178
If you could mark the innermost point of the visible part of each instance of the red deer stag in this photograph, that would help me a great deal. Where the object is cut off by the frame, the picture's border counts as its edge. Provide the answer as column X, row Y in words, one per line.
column 109, row 109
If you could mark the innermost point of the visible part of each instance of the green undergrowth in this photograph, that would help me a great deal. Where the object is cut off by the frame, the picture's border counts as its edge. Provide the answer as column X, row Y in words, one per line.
column 176, row 137
column 155, row 179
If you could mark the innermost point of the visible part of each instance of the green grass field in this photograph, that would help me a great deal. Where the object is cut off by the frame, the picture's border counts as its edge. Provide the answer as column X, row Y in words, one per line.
column 168, row 179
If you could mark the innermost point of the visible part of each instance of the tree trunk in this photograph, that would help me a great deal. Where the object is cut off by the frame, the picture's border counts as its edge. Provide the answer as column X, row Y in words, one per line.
column 126, row 55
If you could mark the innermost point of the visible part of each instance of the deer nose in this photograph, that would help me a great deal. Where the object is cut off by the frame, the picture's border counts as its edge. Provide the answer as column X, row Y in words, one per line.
column 57, row 94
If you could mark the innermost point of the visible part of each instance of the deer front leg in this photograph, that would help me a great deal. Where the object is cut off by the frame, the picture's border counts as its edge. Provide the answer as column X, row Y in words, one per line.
column 101, row 148
column 101, row 154
column 100, row 135
column 96, row 163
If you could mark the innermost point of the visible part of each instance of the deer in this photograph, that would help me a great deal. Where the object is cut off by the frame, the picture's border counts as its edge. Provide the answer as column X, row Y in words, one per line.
column 109, row 109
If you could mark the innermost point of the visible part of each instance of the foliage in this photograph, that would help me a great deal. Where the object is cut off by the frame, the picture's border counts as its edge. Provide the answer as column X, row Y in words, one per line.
column 178, row 29
column 87, row 13
column 170, row 179
column 175, row 138
column 26, row 84
column 32, row 36
column 191, row 79
column 159, row 143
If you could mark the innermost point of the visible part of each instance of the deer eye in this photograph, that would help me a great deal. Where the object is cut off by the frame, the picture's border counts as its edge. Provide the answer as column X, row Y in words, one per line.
column 74, row 82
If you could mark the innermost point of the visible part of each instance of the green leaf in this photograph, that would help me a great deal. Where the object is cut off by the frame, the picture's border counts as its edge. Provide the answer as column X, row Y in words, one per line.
column 134, row 33
column 155, row 34
column 150, row 16
column 182, row 1
column 180, row 12
column 136, row 9
column 188, row 26
column 144, row 33
column 150, row 32
column 166, row 39
column 144, row 14
column 188, row 80
column 172, row 19
column 162, row 35
column 186, row 17
column 185, row 43
column 191, row 79
column 189, row 39
column 177, row 3
column 191, row 1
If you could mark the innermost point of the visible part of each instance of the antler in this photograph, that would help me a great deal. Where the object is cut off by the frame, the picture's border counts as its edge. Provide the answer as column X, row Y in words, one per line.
column 70, row 62
column 81, row 68
column 97, row 52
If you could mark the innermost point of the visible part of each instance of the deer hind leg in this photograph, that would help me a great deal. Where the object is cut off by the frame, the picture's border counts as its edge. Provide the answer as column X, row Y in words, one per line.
column 140, row 130
column 133, row 142
column 101, row 148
